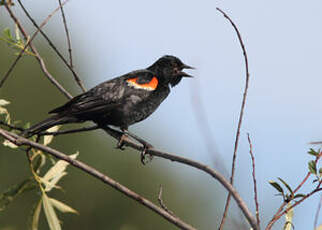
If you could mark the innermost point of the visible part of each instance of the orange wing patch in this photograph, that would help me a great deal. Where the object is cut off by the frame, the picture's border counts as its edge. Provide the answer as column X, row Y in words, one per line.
column 152, row 85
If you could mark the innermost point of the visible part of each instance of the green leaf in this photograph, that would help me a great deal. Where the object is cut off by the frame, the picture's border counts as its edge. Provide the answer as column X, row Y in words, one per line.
column 27, row 125
column 276, row 186
column 40, row 162
column 50, row 213
column 300, row 195
column 7, row 34
column 313, row 152
column 62, row 207
column 312, row 167
column 11, row 193
column 35, row 216
column 287, row 186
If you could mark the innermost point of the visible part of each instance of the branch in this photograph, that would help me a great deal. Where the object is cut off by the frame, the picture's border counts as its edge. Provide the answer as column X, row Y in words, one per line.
column 254, row 179
column 20, row 141
column 11, row 126
column 212, row 172
column 240, row 115
column 69, row 66
column 34, row 50
column 69, row 45
column 84, row 129
column 163, row 206
column 128, row 142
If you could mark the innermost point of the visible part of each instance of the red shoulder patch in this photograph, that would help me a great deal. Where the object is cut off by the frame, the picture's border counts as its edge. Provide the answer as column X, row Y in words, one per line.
column 152, row 85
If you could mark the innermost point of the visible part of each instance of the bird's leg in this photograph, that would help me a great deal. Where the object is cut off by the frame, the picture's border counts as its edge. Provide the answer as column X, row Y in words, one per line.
column 145, row 144
column 117, row 134
column 122, row 135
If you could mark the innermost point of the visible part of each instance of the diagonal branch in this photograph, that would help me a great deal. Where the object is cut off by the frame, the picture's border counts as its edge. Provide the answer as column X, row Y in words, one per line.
column 240, row 116
column 69, row 66
column 128, row 142
column 34, row 50
column 20, row 141
column 205, row 168
column 69, row 45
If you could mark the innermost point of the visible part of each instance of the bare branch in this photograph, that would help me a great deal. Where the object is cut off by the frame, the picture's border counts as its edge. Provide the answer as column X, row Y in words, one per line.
column 11, row 126
column 84, row 129
column 162, row 203
column 254, row 179
column 213, row 173
column 67, row 35
column 240, row 115
column 128, row 142
column 51, row 44
column 20, row 141
column 34, row 50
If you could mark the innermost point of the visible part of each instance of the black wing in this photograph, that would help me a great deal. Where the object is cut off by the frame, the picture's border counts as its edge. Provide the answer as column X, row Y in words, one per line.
column 103, row 97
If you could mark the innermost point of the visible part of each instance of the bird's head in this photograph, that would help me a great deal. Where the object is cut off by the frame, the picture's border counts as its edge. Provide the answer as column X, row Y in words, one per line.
column 168, row 70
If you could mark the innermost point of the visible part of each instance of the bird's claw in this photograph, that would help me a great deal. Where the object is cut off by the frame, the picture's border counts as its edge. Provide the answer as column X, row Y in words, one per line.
column 144, row 159
column 120, row 143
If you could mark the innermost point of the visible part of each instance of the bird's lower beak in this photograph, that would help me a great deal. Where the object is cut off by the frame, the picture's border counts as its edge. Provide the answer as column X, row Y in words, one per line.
column 183, row 74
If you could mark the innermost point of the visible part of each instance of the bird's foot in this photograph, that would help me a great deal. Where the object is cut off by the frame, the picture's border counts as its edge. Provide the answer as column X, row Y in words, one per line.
column 120, row 143
column 146, row 157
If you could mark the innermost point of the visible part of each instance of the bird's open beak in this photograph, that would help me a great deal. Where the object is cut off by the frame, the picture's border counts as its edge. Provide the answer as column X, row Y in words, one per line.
column 183, row 74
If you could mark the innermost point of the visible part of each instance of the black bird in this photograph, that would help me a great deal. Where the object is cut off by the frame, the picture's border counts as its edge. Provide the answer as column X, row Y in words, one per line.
column 121, row 101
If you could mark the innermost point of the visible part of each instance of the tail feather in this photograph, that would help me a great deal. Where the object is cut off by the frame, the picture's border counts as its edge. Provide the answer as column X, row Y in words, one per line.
column 46, row 124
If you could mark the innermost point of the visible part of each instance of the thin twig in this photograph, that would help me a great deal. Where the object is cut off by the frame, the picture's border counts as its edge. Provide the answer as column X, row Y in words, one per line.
column 254, row 179
column 316, row 218
column 11, row 126
column 84, row 129
column 40, row 60
column 163, row 206
column 69, row 45
column 128, row 142
column 315, row 143
column 107, row 180
column 240, row 115
column 51, row 44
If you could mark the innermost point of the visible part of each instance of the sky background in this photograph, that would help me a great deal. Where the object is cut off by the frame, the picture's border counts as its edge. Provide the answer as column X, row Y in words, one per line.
column 283, row 111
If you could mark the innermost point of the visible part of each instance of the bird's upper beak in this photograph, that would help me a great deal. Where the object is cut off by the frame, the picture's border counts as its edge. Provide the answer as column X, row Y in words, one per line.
column 183, row 74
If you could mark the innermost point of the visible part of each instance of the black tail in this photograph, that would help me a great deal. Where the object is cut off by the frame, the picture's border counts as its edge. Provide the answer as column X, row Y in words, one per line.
column 46, row 124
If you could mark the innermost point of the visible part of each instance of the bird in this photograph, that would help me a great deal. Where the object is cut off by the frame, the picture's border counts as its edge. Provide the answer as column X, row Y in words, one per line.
column 121, row 101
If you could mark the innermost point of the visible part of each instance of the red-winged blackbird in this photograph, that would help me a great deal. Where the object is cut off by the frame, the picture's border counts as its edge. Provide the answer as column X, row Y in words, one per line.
column 121, row 101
